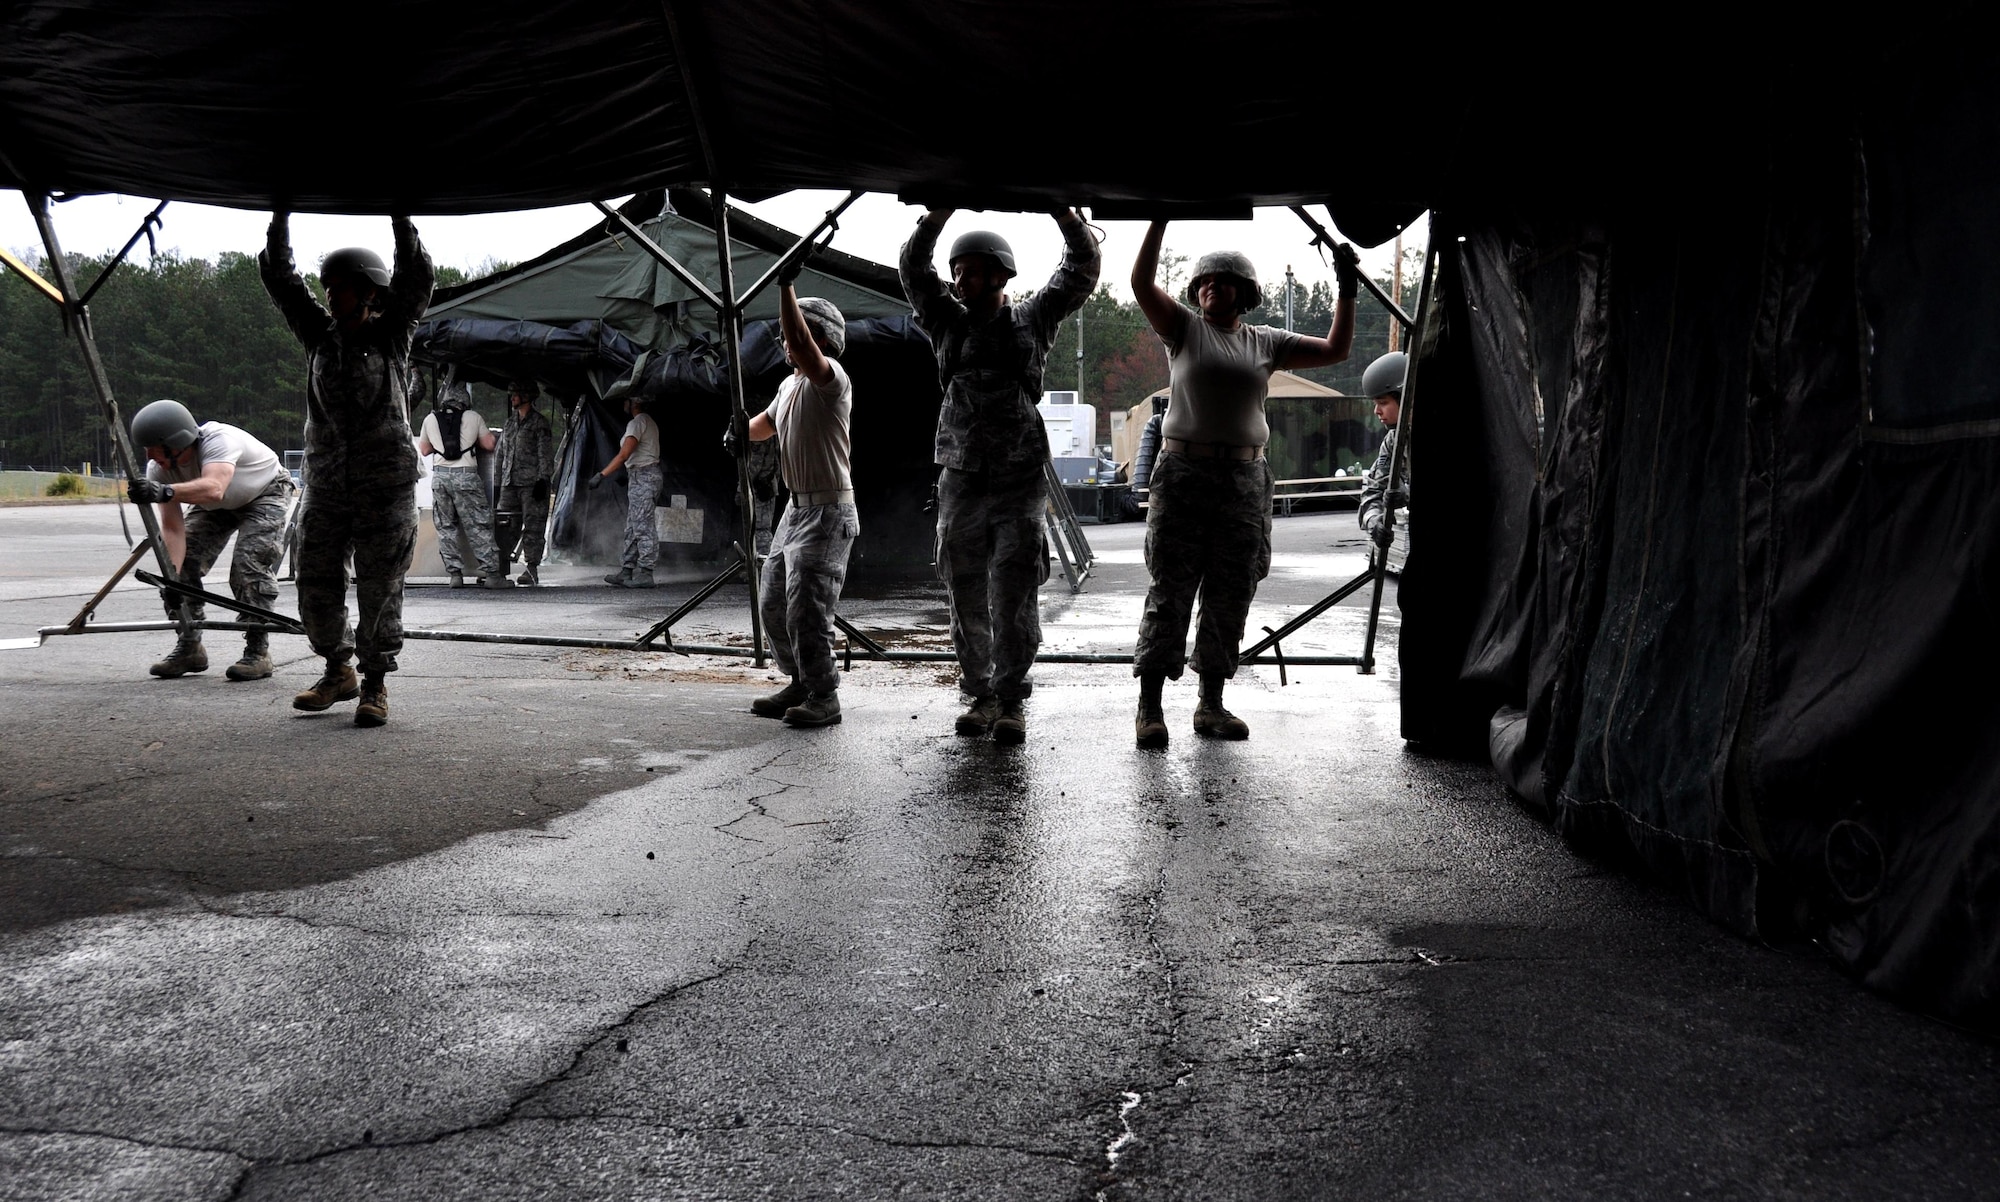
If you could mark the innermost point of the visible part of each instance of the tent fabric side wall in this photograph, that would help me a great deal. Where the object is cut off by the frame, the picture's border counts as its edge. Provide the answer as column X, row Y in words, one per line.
column 1740, row 628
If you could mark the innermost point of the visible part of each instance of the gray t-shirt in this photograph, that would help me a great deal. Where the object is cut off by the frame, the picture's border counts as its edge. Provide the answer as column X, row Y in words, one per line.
column 471, row 428
column 1220, row 379
column 256, row 465
column 813, row 443
column 647, row 431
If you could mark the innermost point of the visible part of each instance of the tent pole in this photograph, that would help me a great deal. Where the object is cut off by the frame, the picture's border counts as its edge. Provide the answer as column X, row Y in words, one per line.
column 1323, row 238
column 830, row 221
column 659, row 254
column 1399, row 460
column 732, row 345
column 77, row 317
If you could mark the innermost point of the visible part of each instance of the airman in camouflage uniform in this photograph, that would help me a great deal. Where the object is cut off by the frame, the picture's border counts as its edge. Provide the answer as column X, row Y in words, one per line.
column 210, row 482
column 458, row 490
column 361, row 465
column 992, row 447
column 527, row 464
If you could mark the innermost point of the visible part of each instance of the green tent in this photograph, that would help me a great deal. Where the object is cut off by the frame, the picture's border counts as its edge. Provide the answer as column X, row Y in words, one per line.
column 605, row 276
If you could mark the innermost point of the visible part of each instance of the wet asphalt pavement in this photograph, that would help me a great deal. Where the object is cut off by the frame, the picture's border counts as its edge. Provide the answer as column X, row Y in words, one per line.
column 576, row 925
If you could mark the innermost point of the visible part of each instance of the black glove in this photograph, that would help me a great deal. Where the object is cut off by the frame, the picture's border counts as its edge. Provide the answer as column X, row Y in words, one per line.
column 1346, row 271
column 789, row 272
column 149, row 492
column 540, row 491
column 597, row 481
column 736, row 439
column 1383, row 533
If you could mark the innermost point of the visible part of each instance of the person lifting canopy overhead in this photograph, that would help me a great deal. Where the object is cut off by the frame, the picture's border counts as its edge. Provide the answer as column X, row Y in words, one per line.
column 229, row 483
column 1208, row 516
column 527, row 464
column 992, row 449
column 361, row 464
column 802, row 577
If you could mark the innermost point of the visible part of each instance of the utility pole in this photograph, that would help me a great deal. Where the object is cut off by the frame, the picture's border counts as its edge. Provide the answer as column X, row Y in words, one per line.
column 1288, row 298
column 1079, row 358
column 1396, row 290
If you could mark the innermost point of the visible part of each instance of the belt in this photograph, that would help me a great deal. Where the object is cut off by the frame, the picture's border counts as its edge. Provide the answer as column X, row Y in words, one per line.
column 830, row 496
column 1210, row 450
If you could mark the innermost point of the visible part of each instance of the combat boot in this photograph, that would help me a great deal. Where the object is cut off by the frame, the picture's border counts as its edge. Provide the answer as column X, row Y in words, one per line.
column 1211, row 719
column 1150, row 725
column 620, row 578
column 256, row 661
column 496, row 580
column 978, row 718
column 455, row 578
column 774, row 705
column 187, row 656
column 1012, row 725
column 338, row 683
column 528, row 576
column 374, row 707
column 818, row 709
column 641, row 578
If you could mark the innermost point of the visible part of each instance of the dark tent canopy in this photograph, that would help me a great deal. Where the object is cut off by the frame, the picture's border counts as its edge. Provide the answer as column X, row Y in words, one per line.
column 1708, row 534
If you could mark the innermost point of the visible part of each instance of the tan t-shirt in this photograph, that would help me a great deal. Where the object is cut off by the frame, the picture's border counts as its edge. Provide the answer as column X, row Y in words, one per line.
column 647, row 431
column 471, row 427
column 812, row 431
column 1220, row 379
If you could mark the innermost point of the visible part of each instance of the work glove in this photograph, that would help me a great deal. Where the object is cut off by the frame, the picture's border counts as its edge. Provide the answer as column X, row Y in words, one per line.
column 736, row 439
column 597, row 481
column 788, row 274
column 149, row 492
column 1346, row 271
column 540, row 491
column 1383, row 533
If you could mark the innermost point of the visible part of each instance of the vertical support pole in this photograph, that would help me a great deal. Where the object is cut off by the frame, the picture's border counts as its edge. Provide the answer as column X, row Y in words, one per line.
column 1403, row 435
column 78, row 317
column 731, row 318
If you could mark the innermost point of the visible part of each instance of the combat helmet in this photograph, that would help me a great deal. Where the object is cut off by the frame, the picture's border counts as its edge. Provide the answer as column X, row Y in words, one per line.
column 165, row 424
column 983, row 242
column 1385, row 375
column 827, row 323
column 355, row 260
column 1230, row 263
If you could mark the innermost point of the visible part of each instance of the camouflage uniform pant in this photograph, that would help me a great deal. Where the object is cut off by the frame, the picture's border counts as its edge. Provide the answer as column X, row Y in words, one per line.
column 992, row 553
column 534, row 519
column 642, row 525
column 800, row 586
column 380, row 529
column 1208, row 530
column 259, row 528
column 458, row 502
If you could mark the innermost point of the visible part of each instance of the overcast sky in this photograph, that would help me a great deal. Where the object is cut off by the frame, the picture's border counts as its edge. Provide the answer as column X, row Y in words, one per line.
column 874, row 228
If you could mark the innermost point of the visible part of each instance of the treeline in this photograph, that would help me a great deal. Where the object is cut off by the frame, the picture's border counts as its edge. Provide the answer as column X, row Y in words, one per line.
column 203, row 333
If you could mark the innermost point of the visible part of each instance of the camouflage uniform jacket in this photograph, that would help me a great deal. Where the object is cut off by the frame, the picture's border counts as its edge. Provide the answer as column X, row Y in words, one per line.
column 527, row 450
column 1375, row 486
column 991, row 372
column 357, row 408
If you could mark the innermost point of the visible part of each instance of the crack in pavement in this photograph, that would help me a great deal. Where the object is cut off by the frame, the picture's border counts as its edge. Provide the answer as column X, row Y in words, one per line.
column 512, row 1110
